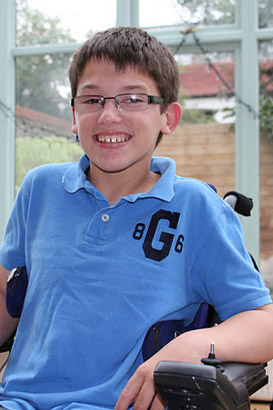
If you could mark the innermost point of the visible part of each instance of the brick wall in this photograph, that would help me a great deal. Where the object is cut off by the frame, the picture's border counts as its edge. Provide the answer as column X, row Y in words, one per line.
column 207, row 152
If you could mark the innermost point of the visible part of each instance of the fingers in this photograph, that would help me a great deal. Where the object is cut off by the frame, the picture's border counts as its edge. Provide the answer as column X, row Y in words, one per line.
column 145, row 396
column 130, row 392
column 158, row 403
column 140, row 389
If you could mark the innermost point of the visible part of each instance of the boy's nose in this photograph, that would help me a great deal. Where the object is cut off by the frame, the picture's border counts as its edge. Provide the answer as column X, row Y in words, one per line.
column 109, row 112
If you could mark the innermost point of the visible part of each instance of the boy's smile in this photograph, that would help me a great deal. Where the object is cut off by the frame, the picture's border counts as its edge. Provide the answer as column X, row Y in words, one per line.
column 117, row 141
column 112, row 139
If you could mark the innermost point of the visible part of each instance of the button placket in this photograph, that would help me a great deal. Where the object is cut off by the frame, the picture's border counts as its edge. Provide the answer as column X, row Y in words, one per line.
column 99, row 231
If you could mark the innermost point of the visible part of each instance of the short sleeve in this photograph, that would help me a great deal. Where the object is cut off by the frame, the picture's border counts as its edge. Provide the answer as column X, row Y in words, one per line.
column 223, row 273
column 12, row 252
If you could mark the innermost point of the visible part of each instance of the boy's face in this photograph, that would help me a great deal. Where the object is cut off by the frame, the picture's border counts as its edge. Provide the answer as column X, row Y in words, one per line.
column 117, row 140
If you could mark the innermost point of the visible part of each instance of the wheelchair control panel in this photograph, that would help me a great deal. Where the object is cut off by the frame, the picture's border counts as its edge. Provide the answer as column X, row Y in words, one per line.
column 212, row 385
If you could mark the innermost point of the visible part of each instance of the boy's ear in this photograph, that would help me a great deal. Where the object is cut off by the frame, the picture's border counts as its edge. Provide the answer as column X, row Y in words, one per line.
column 173, row 115
column 74, row 124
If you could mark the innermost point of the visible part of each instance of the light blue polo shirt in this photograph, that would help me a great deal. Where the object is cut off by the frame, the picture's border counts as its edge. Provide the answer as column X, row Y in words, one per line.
column 100, row 276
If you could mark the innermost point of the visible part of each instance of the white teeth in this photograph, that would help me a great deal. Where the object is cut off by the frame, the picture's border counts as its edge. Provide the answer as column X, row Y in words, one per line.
column 112, row 139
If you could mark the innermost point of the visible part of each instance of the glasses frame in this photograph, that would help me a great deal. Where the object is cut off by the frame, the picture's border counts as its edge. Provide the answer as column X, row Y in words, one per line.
column 152, row 99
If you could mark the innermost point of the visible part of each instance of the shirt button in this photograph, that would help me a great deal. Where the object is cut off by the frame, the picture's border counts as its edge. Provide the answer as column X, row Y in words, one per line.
column 105, row 217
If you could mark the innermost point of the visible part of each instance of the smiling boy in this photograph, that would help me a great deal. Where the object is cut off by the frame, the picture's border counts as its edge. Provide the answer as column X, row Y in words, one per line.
column 119, row 143
column 118, row 242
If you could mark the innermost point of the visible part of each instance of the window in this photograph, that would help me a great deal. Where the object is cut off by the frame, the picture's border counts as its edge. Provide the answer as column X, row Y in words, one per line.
column 265, row 8
column 266, row 158
column 51, row 21
column 43, row 113
column 185, row 12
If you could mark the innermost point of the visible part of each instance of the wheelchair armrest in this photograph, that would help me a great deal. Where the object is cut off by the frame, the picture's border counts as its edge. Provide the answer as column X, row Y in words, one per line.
column 252, row 375
column 193, row 386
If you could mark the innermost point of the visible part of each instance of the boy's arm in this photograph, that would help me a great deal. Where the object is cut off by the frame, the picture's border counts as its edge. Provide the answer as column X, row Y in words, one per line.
column 8, row 324
column 245, row 337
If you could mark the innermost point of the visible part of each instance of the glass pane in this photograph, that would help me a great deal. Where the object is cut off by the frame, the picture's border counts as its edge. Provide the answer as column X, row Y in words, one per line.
column 43, row 113
column 51, row 21
column 42, row 84
column 156, row 13
column 266, row 161
column 203, row 144
column 265, row 8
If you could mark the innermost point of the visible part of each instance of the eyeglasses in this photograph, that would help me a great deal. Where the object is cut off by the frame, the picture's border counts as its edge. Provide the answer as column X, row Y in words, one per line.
column 126, row 102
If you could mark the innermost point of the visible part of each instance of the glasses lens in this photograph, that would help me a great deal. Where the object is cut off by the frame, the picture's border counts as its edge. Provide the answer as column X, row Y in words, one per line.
column 132, row 102
column 89, row 103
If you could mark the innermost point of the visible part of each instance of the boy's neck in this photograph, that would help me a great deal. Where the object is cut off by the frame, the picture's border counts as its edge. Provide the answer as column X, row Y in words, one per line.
column 117, row 185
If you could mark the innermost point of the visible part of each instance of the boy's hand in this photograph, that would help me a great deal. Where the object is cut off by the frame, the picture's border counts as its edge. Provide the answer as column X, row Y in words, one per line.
column 141, row 390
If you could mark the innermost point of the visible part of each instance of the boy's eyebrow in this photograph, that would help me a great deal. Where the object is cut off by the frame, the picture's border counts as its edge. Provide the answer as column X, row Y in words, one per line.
column 138, row 87
column 87, row 87
column 127, row 88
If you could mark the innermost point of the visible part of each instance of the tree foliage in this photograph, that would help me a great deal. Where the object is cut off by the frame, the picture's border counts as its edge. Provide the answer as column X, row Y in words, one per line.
column 265, row 13
column 266, row 90
column 207, row 11
column 40, row 78
column 220, row 12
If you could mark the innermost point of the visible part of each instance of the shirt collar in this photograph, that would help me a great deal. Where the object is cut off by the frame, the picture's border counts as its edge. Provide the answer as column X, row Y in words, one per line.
column 75, row 179
column 164, row 188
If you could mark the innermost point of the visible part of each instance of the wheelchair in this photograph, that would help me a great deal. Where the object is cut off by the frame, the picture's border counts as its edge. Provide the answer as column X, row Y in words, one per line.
column 212, row 385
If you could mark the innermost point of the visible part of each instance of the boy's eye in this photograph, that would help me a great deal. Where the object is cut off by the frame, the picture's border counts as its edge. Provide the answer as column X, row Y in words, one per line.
column 132, row 99
column 91, row 100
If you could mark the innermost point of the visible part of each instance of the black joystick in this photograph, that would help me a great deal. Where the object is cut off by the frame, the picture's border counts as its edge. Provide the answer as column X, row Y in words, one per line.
column 211, row 360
